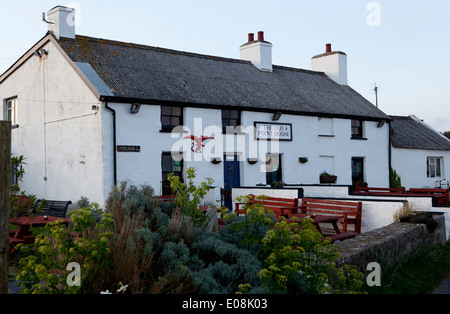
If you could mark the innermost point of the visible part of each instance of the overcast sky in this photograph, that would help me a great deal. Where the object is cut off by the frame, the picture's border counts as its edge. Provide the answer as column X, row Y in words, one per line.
column 401, row 45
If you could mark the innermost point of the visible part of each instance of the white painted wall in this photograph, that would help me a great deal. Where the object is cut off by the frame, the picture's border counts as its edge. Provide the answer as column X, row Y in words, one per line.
column 411, row 165
column 59, row 133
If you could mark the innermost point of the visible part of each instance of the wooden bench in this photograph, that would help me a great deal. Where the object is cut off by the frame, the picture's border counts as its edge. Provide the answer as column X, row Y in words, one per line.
column 165, row 198
column 351, row 212
column 53, row 208
column 379, row 191
column 441, row 195
column 279, row 206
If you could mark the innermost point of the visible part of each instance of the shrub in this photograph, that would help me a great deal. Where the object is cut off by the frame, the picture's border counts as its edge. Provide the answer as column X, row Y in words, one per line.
column 87, row 242
column 300, row 261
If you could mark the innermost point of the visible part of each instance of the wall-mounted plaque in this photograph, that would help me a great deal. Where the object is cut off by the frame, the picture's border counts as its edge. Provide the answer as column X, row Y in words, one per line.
column 128, row 149
column 273, row 131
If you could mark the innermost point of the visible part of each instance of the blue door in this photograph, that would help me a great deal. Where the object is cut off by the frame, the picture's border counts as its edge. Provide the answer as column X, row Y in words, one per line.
column 231, row 178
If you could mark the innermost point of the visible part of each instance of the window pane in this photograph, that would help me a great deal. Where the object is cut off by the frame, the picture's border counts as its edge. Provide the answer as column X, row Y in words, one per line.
column 175, row 121
column 176, row 111
column 167, row 163
column 234, row 114
column 166, row 110
column 226, row 114
column 438, row 167
column 165, row 121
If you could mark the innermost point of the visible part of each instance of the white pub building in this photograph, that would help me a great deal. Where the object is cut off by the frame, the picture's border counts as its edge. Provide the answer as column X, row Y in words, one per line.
column 88, row 113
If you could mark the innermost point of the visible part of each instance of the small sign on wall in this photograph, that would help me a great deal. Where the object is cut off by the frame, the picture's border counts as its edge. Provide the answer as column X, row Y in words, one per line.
column 128, row 149
column 273, row 131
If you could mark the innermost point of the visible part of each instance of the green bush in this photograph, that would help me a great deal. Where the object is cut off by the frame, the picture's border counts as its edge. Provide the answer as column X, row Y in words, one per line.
column 87, row 242
column 300, row 261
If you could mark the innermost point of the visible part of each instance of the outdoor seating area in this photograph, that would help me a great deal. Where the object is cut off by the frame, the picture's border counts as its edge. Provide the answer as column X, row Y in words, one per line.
column 339, row 214
column 24, row 234
column 441, row 195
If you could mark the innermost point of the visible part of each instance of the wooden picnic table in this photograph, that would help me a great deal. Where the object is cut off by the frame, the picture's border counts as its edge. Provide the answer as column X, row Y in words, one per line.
column 23, row 235
column 332, row 219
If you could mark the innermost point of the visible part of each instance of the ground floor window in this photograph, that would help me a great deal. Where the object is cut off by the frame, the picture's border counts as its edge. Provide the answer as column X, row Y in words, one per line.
column 357, row 170
column 434, row 166
column 274, row 171
column 170, row 166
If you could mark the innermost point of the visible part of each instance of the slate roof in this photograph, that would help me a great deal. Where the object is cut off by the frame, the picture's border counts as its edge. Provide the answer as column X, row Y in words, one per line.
column 408, row 132
column 123, row 71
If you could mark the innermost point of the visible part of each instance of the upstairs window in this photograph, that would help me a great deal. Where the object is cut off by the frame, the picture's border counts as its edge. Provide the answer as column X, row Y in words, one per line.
column 357, row 129
column 230, row 118
column 11, row 111
column 171, row 117
column 434, row 166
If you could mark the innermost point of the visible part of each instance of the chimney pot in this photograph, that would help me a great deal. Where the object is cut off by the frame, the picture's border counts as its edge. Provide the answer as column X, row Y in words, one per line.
column 261, row 36
column 328, row 48
column 251, row 37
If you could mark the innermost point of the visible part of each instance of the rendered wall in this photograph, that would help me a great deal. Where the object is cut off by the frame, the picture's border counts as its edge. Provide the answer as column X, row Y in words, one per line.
column 59, row 134
column 411, row 165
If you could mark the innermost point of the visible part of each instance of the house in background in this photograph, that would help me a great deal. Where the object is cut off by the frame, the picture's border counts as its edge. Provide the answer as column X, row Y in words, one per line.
column 89, row 113
column 420, row 154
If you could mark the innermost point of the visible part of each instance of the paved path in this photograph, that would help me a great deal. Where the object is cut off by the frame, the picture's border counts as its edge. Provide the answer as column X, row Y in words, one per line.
column 444, row 288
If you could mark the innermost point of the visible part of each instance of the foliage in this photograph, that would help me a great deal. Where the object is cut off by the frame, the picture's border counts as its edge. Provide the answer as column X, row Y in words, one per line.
column 87, row 242
column 251, row 228
column 417, row 273
column 157, row 247
column 300, row 261
column 20, row 203
column 188, row 196
column 396, row 180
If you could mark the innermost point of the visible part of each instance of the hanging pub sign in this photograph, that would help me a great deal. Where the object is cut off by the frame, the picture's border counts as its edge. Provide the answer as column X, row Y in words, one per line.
column 128, row 149
column 273, row 131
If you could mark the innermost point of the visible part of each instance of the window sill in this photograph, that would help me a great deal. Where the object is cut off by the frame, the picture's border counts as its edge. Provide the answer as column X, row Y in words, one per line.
column 359, row 138
column 172, row 131
column 325, row 135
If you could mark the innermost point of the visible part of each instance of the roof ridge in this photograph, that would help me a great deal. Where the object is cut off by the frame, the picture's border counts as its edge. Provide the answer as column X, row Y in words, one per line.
column 159, row 49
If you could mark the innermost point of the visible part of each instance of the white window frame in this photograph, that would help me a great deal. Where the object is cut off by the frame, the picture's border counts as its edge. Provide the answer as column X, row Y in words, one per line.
column 435, row 167
column 11, row 106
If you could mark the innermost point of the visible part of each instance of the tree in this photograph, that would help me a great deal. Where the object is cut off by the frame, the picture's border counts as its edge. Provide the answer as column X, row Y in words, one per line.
column 447, row 134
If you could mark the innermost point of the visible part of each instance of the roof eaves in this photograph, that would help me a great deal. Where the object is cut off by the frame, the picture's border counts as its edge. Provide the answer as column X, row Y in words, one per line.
column 25, row 57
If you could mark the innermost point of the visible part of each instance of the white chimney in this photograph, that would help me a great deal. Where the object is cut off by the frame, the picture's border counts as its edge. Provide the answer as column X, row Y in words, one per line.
column 333, row 63
column 258, row 52
column 62, row 22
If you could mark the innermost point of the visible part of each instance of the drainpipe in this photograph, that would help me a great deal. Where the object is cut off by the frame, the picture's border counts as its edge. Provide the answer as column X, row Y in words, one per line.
column 114, row 141
column 390, row 153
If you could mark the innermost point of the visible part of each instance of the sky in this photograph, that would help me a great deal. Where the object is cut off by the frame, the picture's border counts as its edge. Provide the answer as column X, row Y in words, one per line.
column 402, row 46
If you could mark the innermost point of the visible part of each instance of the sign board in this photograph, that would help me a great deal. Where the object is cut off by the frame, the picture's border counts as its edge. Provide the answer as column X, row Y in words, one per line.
column 129, row 149
column 273, row 131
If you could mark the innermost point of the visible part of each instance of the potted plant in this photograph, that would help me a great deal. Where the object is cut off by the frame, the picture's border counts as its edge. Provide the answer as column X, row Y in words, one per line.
column 325, row 177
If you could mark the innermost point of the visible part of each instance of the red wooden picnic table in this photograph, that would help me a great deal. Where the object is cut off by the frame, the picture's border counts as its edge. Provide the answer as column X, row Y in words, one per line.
column 23, row 234
column 332, row 219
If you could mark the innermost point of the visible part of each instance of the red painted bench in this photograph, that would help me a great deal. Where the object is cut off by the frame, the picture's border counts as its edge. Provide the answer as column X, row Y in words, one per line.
column 351, row 212
column 279, row 206
column 442, row 195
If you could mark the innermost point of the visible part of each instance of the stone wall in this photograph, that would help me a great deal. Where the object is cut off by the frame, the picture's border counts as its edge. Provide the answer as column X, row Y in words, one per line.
column 390, row 243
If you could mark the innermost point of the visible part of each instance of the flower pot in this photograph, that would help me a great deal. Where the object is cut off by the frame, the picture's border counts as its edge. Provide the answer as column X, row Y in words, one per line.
column 328, row 179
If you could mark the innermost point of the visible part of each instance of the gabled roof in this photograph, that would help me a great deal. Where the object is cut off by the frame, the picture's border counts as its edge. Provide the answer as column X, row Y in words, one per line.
column 126, row 72
column 410, row 132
